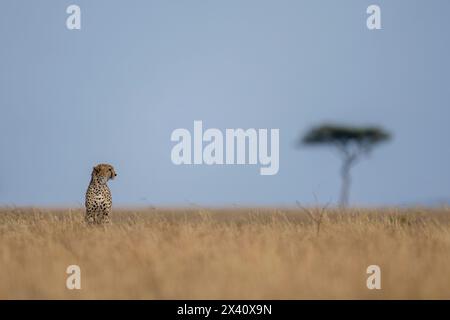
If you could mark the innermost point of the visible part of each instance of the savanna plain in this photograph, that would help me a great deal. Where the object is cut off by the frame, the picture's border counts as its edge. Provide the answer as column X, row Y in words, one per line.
column 248, row 253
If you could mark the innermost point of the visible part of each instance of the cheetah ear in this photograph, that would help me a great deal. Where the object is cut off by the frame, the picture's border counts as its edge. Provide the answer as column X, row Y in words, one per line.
column 95, row 169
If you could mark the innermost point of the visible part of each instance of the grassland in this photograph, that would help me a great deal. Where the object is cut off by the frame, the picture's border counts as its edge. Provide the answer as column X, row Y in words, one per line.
column 226, row 254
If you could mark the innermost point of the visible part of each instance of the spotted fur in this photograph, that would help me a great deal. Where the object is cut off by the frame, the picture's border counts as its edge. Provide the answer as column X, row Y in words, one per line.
column 98, row 196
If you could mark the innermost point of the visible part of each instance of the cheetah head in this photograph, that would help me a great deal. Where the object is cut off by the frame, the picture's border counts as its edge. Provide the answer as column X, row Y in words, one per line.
column 103, row 172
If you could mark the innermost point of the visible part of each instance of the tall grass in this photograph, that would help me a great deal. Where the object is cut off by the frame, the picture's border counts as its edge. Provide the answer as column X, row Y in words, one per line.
column 226, row 254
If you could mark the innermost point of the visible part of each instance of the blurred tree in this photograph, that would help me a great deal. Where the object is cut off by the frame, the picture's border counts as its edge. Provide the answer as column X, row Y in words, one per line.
column 350, row 142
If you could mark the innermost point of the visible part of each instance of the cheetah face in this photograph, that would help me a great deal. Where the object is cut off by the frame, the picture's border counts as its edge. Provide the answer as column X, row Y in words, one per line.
column 103, row 172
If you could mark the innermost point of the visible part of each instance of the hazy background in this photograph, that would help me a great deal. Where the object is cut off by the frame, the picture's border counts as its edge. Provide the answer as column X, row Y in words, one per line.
column 116, row 89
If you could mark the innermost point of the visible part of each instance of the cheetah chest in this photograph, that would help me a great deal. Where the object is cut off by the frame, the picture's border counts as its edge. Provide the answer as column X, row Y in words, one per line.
column 98, row 198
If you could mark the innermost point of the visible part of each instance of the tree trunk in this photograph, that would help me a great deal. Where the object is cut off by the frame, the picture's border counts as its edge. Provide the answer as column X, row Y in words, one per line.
column 346, row 181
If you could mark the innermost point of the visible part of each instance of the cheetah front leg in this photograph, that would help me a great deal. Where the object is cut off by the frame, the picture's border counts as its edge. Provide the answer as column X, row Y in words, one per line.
column 105, row 218
column 90, row 218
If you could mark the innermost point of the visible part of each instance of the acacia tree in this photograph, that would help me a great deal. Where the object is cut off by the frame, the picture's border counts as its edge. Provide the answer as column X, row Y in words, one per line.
column 350, row 142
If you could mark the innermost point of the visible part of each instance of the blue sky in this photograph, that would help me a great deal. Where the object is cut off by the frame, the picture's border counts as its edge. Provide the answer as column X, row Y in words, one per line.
column 137, row 70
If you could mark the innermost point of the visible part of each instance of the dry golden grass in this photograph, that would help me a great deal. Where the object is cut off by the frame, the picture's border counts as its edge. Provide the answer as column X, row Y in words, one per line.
column 225, row 254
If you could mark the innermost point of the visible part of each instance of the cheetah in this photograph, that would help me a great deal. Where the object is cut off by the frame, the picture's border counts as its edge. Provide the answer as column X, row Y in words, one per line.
column 98, row 196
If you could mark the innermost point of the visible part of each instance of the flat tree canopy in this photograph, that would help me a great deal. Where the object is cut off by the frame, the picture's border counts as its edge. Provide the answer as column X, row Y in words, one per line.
column 343, row 136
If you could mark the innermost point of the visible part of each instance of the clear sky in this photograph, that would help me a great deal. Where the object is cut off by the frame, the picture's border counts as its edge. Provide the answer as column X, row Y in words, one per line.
column 116, row 89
